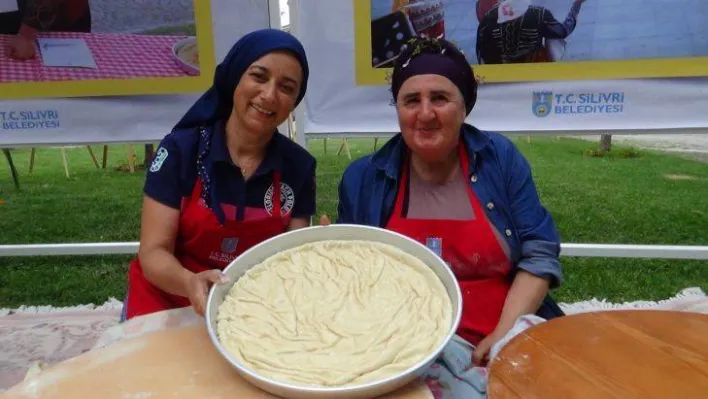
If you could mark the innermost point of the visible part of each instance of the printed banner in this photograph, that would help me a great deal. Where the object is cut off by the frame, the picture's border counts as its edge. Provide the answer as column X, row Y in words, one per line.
column 107, row 71
column 348, row 92
column 101, row 48
column 540, row 40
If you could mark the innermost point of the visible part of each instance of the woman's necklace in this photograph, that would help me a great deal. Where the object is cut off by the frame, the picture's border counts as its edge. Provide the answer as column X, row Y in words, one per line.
column 248, row 168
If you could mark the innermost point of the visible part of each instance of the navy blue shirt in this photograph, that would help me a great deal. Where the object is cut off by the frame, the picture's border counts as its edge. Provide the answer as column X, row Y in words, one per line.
column 173, row 174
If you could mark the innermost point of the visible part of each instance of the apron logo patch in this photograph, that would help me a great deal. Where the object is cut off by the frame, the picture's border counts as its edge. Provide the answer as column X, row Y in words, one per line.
column 435, row 245
column 227, row 253
column 160, row 158
column 287, row 199
column 228, row 245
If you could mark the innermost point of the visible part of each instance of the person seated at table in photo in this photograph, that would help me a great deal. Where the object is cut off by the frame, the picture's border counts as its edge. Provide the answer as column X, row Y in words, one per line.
column 224, row 179
column 465, row 193
column 33, row 16
column 515, row 31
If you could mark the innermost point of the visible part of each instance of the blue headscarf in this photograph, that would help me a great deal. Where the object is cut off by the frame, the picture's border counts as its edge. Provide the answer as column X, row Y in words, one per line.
column 216, row 104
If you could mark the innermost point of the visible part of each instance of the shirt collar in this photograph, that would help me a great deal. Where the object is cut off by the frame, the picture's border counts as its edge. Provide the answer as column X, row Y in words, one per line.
column 389, row 157
column 220, row 151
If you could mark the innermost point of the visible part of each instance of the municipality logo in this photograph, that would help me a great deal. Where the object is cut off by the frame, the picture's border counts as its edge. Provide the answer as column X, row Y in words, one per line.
column 542, row 103
column 160, row 158
column 577, row 103
column 228, row 245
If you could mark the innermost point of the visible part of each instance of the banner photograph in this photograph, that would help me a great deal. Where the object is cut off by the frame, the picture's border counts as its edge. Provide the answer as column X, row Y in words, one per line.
column 82, row 48
column 541, row 40
column 338, row 102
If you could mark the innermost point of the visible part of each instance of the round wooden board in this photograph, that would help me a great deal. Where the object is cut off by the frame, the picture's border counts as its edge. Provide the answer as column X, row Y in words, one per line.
column 613, row 354
column 176, row 363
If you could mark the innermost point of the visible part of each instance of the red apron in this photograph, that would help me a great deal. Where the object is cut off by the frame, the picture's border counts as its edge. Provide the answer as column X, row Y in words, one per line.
column 471, row 249
column 203, row 244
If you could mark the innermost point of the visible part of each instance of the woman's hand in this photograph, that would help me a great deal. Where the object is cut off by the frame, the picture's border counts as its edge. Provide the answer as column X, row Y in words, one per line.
column 197, row 287
column 20, row 48
column 324, row 221
column 480, row 356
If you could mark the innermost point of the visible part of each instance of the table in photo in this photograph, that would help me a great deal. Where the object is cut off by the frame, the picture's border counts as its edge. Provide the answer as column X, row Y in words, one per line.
column 117, row 56
column 615, row 354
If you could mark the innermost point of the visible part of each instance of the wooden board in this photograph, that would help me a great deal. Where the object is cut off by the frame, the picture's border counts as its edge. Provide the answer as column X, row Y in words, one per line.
column 615, row 354
column 176, row 363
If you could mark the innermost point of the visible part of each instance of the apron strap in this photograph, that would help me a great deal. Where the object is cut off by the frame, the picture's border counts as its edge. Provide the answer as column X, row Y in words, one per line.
column 465, row 164
column 196, row 192
column 277, row 203
column 276, row 194
column 402, row 187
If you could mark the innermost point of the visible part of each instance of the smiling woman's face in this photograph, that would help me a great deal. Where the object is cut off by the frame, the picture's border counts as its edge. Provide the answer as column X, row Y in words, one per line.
column 266, row 93
column 431, row 112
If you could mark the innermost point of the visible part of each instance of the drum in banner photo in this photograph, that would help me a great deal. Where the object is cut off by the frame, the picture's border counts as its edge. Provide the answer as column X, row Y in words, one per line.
column 669, row 38
column 48, row 46
column 404, row 20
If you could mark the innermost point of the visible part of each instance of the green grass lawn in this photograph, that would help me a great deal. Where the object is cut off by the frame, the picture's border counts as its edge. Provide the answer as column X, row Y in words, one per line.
column 649, row 199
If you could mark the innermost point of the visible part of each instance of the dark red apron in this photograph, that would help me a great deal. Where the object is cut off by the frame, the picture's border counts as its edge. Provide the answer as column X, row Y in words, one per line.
column 203, row 244
column 472, row 251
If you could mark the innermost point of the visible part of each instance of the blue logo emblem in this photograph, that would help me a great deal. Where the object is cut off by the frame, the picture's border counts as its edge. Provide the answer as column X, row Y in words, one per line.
column 228, row 245
column 542, row 103
column 159, row 159
column 435, row 245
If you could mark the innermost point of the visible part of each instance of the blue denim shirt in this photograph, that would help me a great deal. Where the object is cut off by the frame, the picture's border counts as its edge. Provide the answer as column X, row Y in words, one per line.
column 499, row 174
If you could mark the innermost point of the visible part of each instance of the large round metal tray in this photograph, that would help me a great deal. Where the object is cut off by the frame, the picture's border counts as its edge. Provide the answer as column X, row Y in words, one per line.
column 285, row 241
column 185, row 65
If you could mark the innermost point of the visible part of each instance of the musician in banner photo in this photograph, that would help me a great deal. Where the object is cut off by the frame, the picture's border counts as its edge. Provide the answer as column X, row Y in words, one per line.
column 516, row 31
column 29, row 17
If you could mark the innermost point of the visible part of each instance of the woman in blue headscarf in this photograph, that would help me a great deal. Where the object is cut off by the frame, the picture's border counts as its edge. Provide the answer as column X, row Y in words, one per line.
column 224, row 179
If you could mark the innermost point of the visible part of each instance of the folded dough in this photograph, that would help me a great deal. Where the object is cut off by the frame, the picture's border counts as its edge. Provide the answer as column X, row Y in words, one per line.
column 335, row 313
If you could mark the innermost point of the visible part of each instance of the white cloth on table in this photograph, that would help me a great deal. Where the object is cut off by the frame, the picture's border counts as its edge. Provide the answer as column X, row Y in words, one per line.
column 452, row 375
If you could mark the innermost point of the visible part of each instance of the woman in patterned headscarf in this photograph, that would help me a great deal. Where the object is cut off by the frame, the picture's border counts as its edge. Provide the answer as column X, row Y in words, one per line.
column 224, row 179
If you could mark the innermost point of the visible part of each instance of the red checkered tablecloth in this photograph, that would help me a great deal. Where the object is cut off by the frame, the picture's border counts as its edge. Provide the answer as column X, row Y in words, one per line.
column 117, row 56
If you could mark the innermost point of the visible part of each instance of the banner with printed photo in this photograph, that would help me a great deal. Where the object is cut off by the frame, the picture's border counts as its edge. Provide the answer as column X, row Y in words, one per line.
column 138, row 67
column 72, row 48
column 540, row 40
column 337, row 102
